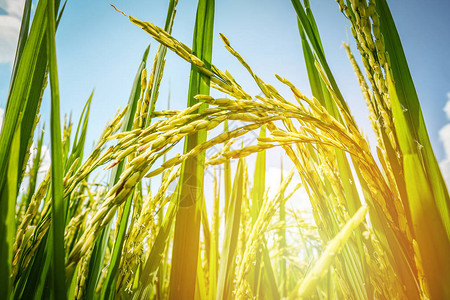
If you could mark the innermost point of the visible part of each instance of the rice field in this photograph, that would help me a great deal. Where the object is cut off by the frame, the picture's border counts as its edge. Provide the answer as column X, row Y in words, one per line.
column 375, row 223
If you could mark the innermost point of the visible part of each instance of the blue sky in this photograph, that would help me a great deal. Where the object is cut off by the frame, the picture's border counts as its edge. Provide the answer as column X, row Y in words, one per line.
column 99, row 48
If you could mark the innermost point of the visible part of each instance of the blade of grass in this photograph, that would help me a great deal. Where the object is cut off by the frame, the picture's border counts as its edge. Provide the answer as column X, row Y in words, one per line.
column 259, row 179
column 269, row 286
column 282, row 275
column 314, row 40
column 187, row 225
column 408, row 99
column 313, row 76
column 108, row 291
column 80, row 134
column 11, row 122
column 227, row 175
column 257, row 199
column 232, row 224
column 33, row 101
column 21, row 109
column 159, row 64
column 200, row 288
column 206, row 236
column 57, row 170
column 7, row 214
column 429, row 230
column 23, row 35
column 214, row 250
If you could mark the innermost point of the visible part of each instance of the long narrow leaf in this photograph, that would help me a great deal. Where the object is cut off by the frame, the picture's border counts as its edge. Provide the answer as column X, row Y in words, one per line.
column 407, row 97
column 430, row 232
column 232, row 225
column 187, row 226
column 58, row 209
column 7, row 229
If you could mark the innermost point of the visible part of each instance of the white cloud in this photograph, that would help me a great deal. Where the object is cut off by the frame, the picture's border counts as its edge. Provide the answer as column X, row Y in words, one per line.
column 9, row 28
column 2, row 112
column 444, row 135
column 445, row 169
column 13, row 7
column 447, row 106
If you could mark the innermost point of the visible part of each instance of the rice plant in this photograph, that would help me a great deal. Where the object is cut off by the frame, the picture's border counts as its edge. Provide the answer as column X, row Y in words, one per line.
column 72, row 236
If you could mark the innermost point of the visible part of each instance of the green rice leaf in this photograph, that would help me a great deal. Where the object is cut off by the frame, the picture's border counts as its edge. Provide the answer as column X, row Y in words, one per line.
column 57, row 170
column 313, row 37
column 109, row 290
column 15, row 103
column 33, row 96
column 7, row 213
column 214, row 249
column 282, row 243
column 187, row 225
column 409, row 101
column 432, row 240
column 269, row 286
column 227, row 175
column 80, row 134
column 232, row 225
column 21, row 112
column 259, row 179
column 257, row 199
column 160, row 58
column 23, row 35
